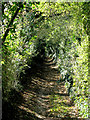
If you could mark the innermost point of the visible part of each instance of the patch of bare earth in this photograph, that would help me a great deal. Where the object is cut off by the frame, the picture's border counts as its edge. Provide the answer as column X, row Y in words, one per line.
column 45, row 98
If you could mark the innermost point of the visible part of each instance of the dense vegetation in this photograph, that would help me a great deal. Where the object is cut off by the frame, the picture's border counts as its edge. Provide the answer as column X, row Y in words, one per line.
column 38, row 29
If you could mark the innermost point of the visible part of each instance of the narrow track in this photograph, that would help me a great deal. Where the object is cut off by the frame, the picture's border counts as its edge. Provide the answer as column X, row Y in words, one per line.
column 44, row 98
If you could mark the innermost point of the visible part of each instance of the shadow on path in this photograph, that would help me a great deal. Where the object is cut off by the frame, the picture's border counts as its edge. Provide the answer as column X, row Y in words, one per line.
column 43, row 98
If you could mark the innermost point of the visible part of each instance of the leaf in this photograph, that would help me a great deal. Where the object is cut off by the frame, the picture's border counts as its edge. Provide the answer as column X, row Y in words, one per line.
column 2, row 62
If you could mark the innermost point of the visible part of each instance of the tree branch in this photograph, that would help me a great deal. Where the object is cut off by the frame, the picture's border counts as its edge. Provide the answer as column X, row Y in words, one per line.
column 11, row 22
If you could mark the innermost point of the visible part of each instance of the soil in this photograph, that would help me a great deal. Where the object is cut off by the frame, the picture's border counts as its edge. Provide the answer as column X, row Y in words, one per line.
column 44, row 98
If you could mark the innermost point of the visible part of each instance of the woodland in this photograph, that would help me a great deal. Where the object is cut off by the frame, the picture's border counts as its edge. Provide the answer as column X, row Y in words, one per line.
column 45, row 60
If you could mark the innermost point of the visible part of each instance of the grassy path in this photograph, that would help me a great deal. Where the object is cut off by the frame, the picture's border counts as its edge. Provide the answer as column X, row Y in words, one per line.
column 44, row 98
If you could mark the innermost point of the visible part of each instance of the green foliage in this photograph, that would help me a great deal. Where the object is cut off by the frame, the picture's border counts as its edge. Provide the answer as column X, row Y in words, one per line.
column 68, row 34
column 18, row 47
column 60, row 30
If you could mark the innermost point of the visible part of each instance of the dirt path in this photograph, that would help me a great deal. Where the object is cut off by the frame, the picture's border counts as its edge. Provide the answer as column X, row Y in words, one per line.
column 45, row 98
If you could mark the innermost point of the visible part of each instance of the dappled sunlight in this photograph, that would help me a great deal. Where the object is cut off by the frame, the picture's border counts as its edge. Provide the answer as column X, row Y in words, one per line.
column 61, row 107
column 46, row 98
column 32, row 112
column 45, row 60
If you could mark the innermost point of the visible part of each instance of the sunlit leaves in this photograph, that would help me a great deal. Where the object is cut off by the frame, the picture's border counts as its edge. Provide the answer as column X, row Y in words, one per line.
column 73, row 55
column 63, row 24
column 19, row 44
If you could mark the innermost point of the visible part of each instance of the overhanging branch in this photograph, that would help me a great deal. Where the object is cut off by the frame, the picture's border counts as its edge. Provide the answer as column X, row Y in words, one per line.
column 11, row 22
